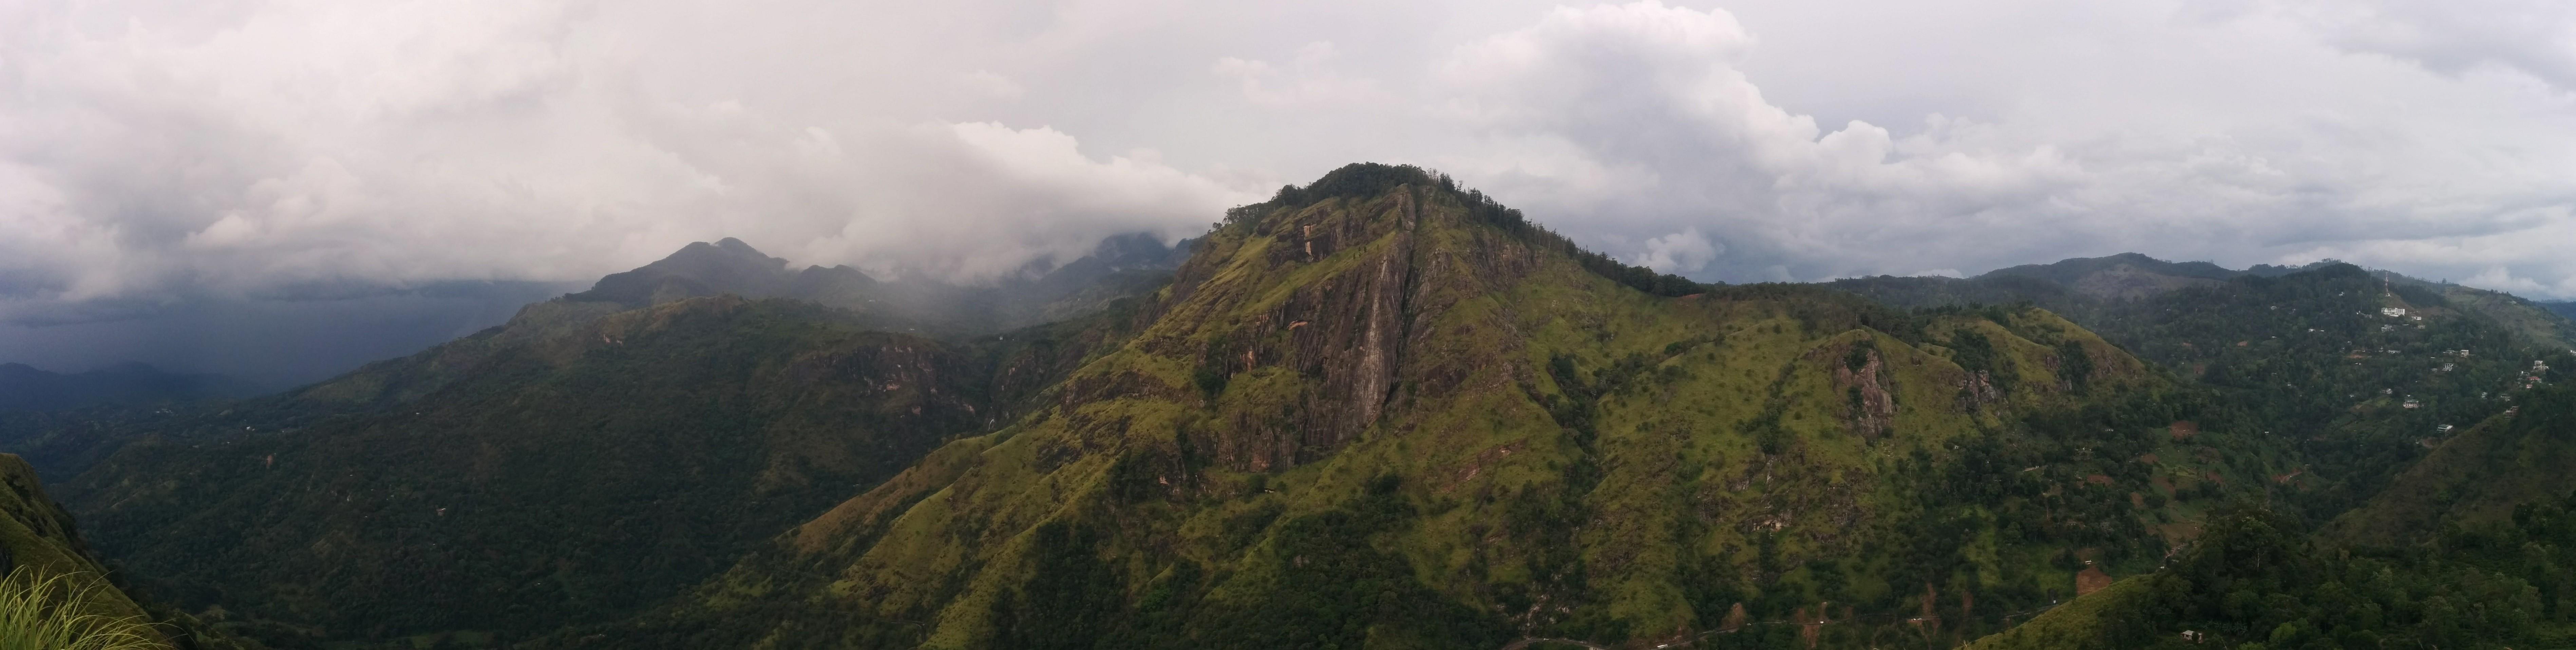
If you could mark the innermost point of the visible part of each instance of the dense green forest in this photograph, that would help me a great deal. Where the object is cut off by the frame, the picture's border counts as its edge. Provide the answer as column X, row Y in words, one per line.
column 2363, row 373
column 2259, row 578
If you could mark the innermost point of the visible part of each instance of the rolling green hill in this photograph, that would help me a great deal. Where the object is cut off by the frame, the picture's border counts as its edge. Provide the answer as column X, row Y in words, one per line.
column 2361, row 371
column 1382, row 412
column 2472, row 547
column 2482, row 474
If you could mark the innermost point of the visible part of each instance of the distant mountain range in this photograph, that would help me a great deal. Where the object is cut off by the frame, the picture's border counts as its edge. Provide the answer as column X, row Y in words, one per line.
column 1118, row 266
column 2565, row 308
column 24, row 388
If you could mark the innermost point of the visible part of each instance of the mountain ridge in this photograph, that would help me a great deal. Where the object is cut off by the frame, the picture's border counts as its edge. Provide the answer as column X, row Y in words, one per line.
column 1405, row 420
column 1038, row 293
column 582, row 412
column 26, row 388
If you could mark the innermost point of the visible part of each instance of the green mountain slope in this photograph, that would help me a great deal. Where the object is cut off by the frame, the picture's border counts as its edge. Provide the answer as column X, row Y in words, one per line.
column 2483, row 473
column 2314, row 355
column 1382, row 412
column 2470, row 547
column 573, row 465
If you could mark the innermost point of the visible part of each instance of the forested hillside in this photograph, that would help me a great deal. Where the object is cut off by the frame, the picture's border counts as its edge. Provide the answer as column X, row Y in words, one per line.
column 1376, row 411
column 2471, row 549
column 1382, row 412
column 2363, row 372
column 573, row 465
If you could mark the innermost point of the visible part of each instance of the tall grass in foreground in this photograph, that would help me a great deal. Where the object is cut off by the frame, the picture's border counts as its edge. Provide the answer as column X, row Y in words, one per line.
column 44, row 613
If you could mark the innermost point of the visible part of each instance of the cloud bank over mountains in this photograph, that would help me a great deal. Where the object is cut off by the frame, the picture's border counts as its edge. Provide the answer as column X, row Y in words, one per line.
column 155, row 152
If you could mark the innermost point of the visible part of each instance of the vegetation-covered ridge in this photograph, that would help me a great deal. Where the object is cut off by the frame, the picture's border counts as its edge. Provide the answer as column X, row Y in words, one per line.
column 2361, row 372
column 1375, row 413
column 2472, row 547
column 574, row 465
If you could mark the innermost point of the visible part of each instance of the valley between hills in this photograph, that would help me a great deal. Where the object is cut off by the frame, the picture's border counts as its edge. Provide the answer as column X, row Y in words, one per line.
column 1376, row 411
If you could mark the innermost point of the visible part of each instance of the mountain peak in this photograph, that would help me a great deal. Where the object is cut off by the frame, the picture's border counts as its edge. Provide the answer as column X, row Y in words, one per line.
column 698, row 269
column 736, row 246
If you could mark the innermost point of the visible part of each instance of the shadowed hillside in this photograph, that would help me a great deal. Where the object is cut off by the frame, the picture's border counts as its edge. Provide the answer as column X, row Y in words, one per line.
column 570, row 466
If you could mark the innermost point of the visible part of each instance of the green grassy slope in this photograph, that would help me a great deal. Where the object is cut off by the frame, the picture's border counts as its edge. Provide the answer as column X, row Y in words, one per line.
column 573, row 465
column 1387, row 414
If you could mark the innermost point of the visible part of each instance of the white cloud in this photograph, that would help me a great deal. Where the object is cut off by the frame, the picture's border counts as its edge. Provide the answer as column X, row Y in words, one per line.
column 2532, row 37
column 985, row 82
column 1308, row 80
column 149, row 150
column 262, row 144
column 1682, row 252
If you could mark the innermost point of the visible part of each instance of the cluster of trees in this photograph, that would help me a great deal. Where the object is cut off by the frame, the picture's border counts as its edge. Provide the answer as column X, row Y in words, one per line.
column 2256, row 581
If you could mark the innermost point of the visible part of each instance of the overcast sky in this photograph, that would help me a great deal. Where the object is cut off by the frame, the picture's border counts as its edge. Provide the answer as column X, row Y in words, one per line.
column 160, row 150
